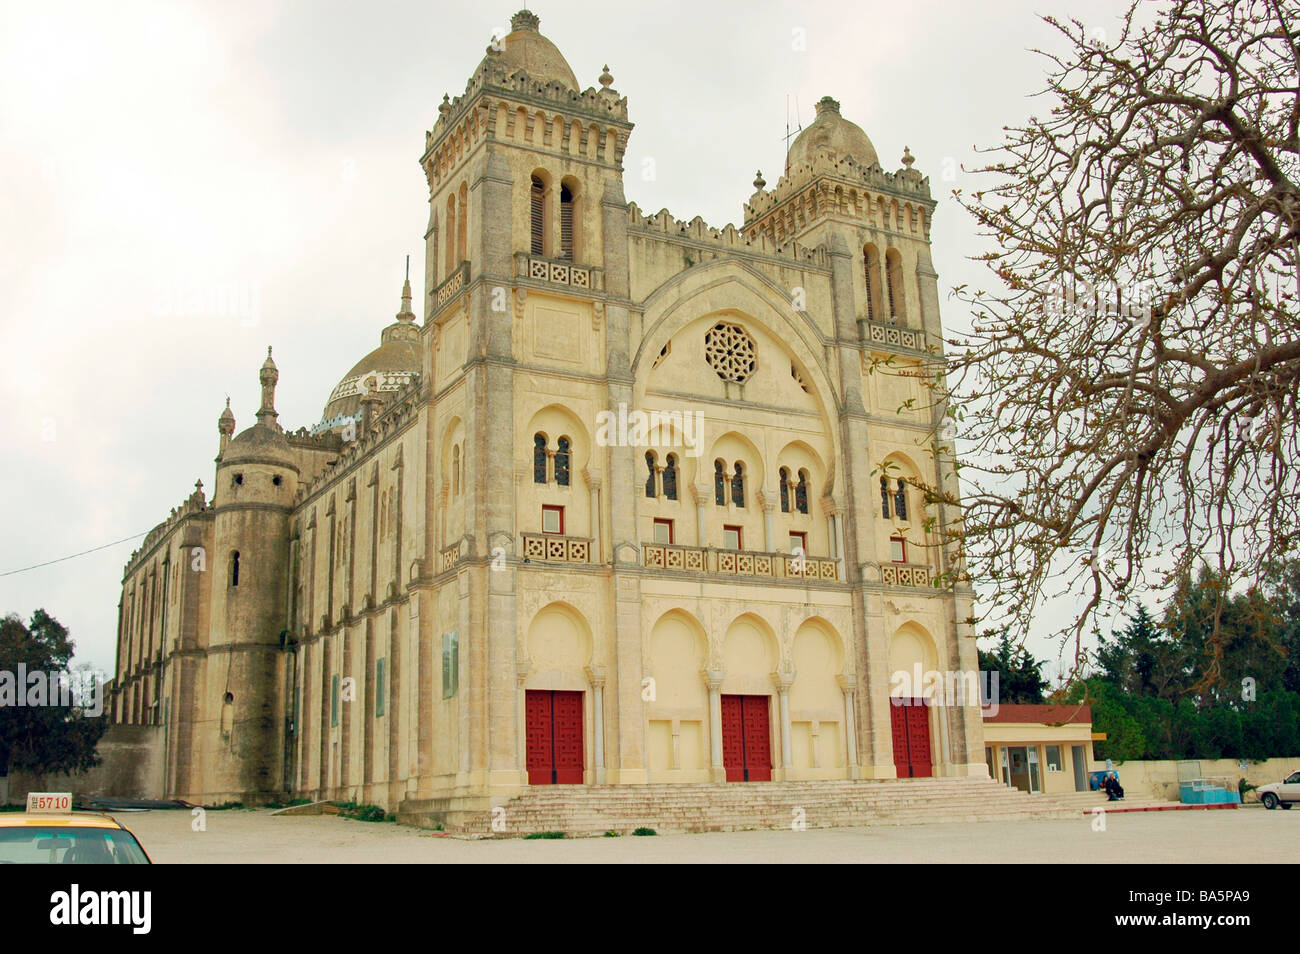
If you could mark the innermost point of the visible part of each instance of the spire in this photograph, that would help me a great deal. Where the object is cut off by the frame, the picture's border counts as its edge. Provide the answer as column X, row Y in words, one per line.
column 406, row 314
column 226, row 425
column 269, row 376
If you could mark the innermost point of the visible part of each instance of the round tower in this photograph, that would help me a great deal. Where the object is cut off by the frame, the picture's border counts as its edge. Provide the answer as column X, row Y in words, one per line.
column 257, row 478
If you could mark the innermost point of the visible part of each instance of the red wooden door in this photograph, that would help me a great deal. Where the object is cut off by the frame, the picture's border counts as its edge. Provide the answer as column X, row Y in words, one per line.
column 539, row 737
column 568, row 737
column 918, row 739
column 733, row 737
column 746, row 739
column 758, row 740
column 553, row 737
column 910, row 724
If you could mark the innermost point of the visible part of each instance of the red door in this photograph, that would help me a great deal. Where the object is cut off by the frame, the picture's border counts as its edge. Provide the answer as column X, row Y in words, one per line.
column 911, row 733
column 553, row 737
column 746, row 739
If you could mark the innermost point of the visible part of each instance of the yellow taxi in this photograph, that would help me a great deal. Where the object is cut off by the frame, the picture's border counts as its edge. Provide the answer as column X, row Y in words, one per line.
column 51, row 832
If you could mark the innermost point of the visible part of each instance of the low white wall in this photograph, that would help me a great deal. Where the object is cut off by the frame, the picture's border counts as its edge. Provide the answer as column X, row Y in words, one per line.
column 1159, row 779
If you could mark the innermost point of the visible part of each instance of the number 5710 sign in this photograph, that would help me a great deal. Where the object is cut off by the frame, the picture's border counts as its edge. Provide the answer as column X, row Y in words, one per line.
column 49, row 802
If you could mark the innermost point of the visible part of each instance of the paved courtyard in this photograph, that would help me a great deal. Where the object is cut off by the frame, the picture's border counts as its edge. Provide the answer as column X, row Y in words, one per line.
column 1247, row 835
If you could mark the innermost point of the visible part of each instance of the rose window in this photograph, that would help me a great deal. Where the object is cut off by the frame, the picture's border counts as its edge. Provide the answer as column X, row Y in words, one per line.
column 730, row 351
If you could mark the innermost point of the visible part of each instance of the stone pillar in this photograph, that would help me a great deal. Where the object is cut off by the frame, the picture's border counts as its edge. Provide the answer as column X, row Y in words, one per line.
column 783, row 683
column 769, row 541
column 593, row 486
column 701, row 524
column 717, row 772
column 596, row 675
column 849, row 684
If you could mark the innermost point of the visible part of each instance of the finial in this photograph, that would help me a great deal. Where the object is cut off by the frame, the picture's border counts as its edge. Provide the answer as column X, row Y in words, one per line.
column 759, row 181
column 198, row 486
column 908, row 158
column 269, row 376
column 525, row 19
column 606, row 78
column 828, row 103
column 445, row 107
column 406, row 314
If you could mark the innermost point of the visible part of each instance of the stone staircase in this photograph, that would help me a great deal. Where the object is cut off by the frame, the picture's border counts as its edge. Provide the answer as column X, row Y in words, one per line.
column 587, row 810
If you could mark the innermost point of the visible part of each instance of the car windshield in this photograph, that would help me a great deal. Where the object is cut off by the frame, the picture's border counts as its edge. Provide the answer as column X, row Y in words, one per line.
column 68, row 845
column 1294, row 779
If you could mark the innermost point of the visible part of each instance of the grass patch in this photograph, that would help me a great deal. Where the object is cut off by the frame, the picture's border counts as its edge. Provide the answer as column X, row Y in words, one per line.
column 544, row 834
column 611, row 834
column 645, row 831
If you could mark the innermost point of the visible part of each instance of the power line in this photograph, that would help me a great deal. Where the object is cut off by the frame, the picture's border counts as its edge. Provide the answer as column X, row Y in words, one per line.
column 74, row 555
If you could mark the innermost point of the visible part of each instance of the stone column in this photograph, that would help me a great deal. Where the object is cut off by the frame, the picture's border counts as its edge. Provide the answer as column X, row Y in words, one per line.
column 849, row 684
column 596, row 675
column 701, row 524
column 713, row 677
column 593, row 486
column 769, row 540
column 783, row 683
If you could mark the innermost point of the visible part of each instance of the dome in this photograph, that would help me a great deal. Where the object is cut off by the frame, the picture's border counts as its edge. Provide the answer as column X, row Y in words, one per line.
column 831, row 132
column 394, row 363
column 524, row 48
column 258, row 443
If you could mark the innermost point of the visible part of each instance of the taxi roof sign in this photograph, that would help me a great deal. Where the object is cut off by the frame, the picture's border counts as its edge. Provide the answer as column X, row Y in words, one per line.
column 49, row 803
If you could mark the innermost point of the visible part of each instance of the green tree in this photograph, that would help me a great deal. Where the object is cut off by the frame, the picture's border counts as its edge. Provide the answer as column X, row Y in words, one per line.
column 48, row 738
column 1020, row 680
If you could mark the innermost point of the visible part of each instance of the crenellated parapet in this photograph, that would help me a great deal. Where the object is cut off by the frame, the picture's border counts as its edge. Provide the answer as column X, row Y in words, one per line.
column 508, row 104
column 696, row 231
column 194, row 505
column 397, row 413
column 830, row 185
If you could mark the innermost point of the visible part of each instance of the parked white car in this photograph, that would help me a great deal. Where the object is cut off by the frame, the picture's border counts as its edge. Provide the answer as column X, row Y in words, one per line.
column 1285, row 793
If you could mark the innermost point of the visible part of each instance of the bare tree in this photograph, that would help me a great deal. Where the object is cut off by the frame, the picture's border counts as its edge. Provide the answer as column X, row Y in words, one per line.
column 1128, row 393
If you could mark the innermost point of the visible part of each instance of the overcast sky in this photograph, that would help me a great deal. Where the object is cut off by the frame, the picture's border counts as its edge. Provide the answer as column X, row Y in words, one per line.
column 186, row 183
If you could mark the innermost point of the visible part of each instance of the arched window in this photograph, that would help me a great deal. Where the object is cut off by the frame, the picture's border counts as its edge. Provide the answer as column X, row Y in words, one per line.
column 894, row 282
column 900, row 501
column 566, row 222
column 884, row 497
column 455, row 471
column 539, row 458
column 871, row 265
column 451, row 236
column 719, row 484
column 670, row 477
column 801, row 492
column 651, row 490
column 738, row 485
column 234, row 568
column 537, row 218
column 785, row 490
column 562, row 462
column 462, row 224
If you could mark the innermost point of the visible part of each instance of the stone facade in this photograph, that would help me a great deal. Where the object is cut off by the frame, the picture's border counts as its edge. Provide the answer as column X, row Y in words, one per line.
column 362, row 611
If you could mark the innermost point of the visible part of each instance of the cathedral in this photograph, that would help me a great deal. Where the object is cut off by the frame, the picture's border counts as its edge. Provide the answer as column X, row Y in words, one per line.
column 625, row 500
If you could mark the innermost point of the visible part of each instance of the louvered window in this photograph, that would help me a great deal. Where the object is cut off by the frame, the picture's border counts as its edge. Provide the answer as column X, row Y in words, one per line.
column 538, row 197
column 566, row 224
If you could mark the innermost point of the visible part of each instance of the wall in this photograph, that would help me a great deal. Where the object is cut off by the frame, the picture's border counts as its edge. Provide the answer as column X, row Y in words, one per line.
column 1159, row 779
column 132, row 767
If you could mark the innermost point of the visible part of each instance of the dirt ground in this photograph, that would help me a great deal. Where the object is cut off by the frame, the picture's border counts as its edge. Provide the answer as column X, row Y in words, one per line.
column 1246, row 836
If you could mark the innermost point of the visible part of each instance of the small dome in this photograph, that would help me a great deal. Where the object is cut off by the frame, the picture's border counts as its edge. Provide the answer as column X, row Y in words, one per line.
column 258, row 443
column 831, row 132
column 524, row 48
column 394, row 363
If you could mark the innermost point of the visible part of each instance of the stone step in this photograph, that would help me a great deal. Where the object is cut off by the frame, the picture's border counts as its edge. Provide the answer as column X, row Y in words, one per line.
column 594, row 809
